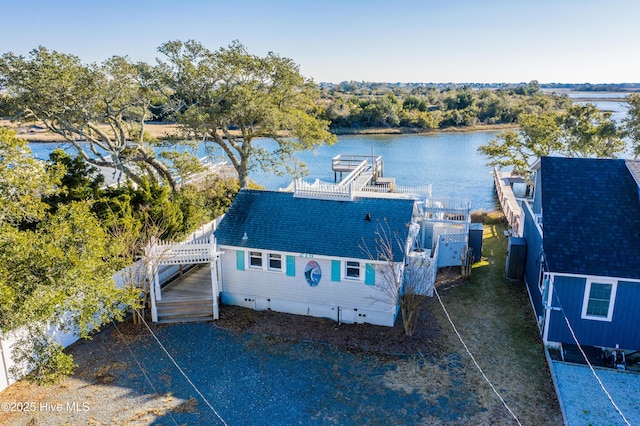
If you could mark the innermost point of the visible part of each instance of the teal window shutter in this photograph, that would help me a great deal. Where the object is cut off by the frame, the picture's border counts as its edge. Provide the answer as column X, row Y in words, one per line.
column 370, row 274
column 291, row 266
column 335, row 270
column 240, row 260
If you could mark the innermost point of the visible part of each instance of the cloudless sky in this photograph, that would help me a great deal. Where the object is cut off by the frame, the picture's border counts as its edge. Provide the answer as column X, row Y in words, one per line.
column 484, row 41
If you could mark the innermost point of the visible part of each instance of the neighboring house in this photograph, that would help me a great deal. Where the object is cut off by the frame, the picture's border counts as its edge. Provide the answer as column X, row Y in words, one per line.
column 582, row 233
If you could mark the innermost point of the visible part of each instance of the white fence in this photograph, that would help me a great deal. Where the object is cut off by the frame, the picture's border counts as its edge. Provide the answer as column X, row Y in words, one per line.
column 136, row 271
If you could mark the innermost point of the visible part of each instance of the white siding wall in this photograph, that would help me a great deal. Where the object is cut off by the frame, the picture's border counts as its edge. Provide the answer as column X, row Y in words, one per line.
column 346, row 300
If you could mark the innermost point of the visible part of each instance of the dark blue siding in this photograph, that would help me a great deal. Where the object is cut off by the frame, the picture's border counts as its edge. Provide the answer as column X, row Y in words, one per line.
column 623, row 329
column 532, row 263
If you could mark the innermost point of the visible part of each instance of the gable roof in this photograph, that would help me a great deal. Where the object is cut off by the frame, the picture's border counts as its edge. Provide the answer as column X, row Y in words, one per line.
column 277, row 221
column 591, row 217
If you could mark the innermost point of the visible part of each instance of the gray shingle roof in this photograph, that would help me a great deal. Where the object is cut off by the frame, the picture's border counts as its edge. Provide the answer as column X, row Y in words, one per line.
column 591, row 215
column 634, row 168
column 278, row 221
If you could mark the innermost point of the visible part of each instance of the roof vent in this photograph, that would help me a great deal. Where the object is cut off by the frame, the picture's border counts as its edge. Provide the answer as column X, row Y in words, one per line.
column 367, row 217
column 245, row 236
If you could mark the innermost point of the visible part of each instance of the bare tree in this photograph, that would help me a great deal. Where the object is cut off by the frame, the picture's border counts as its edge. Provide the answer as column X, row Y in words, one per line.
column 135, row 262
column 408, row 282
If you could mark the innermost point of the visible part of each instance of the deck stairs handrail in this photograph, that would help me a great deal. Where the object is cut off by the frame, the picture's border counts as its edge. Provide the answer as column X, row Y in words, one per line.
column 355, row 173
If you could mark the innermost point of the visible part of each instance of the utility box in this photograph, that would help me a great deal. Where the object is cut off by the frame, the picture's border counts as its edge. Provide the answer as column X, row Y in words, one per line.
column 516, row 252
column 475, row 241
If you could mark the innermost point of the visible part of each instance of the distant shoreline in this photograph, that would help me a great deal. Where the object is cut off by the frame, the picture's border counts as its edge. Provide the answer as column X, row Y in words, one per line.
column 413, row 131
column 38, row 135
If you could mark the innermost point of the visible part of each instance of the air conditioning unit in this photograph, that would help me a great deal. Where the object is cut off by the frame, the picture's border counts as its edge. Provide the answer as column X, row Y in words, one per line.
column 516, row 252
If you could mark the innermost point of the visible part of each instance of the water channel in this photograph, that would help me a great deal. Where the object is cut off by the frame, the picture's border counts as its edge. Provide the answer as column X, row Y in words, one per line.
column 449, row 161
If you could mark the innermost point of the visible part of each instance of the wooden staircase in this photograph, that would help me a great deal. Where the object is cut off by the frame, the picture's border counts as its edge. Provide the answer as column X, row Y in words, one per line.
column 185, row 311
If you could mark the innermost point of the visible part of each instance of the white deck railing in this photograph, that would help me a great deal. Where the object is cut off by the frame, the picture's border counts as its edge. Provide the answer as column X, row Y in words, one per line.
column 342, row 162
column 322, row 190
column 510, row 207
column 424, row 190
column 168, row 253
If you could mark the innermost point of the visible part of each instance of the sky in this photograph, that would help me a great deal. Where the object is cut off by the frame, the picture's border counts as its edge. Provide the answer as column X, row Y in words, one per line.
column 428, row 41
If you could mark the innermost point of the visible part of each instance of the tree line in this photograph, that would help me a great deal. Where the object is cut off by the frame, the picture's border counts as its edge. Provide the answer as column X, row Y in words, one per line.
column 578, row 131
column 356, row 106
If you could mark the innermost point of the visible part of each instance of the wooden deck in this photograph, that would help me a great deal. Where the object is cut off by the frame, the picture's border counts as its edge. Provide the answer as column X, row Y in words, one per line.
column 193, row 285
column 503, row 182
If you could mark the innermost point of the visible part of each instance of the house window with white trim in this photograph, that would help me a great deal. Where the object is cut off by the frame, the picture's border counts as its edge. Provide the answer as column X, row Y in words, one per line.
column 255, row 259
column 353, row 270
column 599, row 298
column 275, row 262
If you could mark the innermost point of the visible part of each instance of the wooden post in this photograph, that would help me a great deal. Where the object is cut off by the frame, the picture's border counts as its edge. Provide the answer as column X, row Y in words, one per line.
column 156, row 283
column 213, row 259
column 154, row 308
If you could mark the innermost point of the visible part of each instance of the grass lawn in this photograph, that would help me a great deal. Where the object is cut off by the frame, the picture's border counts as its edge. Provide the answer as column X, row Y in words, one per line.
column 495, row 319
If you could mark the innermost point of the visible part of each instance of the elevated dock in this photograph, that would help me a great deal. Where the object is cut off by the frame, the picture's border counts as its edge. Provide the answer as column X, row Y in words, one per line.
column 356, row 164
column 363, row 179
column 503, row 182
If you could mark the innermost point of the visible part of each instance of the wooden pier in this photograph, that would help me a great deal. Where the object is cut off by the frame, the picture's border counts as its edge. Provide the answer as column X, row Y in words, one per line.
column 503, row 182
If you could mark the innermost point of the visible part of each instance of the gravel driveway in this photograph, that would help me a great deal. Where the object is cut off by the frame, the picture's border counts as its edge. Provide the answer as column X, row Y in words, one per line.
column 247, row 379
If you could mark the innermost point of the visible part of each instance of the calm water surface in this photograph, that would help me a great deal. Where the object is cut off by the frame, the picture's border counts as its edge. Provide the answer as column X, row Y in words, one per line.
column 448, row 161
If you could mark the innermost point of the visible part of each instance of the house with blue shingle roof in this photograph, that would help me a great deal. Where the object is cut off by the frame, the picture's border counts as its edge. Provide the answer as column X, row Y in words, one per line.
column 315, row 253
column 342, row 250
column 582, row 266
column 308, row 256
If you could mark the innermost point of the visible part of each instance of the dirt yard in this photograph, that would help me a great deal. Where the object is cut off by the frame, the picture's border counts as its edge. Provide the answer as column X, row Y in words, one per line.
column 264, row 367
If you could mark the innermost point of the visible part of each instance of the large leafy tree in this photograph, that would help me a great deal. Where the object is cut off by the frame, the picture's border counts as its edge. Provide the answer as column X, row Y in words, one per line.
column 586, row 131
column 538, row 136
column 56, row 269
column 104, row 105
column 632, row 122
column 580, row 131
column 232, row 97
column 23, row 180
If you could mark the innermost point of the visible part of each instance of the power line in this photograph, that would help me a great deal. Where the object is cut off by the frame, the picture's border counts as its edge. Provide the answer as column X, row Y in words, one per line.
column 474, row 359
column 593, row 371
column 182, row 372
column 141, row 369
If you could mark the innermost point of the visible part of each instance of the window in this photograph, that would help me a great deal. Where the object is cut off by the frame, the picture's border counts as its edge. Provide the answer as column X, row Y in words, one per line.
column 275, row 262
column 353, row 270
column 255, row 259
column 599, row 298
